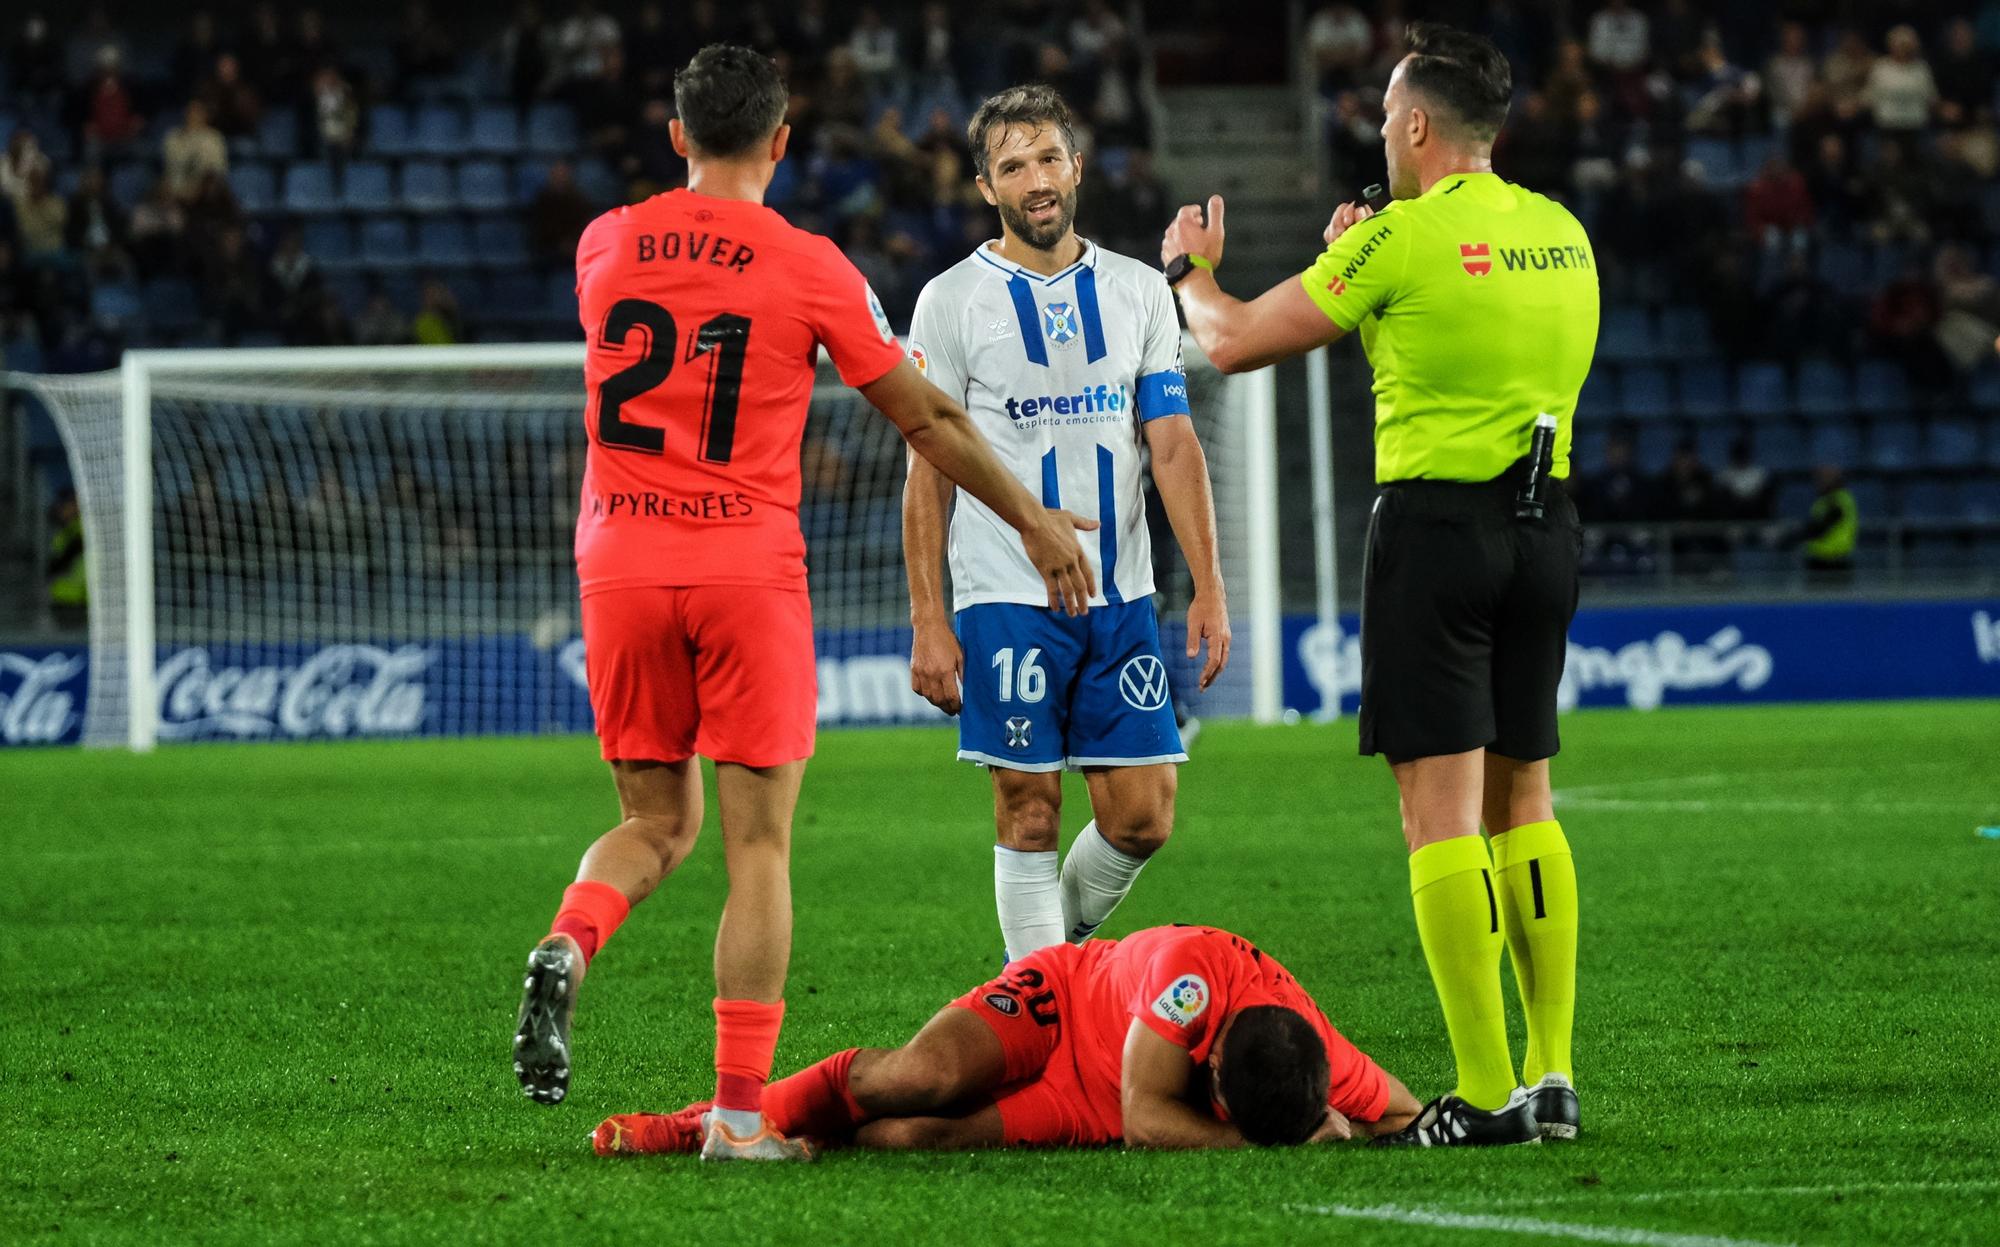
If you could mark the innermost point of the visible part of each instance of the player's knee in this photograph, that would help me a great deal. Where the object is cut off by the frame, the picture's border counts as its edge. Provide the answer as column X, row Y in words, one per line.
column 670, row 837
column 1028, row 823
column 1140, row 827
column 906, row 1134
column 898, row 1083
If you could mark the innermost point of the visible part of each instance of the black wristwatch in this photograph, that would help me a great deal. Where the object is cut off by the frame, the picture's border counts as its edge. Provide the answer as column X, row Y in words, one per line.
column 1181, row 265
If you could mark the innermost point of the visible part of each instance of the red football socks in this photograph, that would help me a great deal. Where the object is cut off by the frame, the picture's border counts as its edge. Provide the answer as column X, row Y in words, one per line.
column 590, row 913
column 815, row 1102
column 746, row 1038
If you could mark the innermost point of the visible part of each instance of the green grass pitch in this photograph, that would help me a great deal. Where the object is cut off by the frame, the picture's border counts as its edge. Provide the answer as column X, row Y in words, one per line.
column 265, row 993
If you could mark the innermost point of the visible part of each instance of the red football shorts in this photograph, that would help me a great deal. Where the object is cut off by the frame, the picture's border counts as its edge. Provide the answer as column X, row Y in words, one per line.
column 725, row 671
column 1045, row 1101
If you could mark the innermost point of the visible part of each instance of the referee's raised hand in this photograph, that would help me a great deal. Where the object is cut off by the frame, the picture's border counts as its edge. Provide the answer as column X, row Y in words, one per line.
column 1344, row 217
column 1196, row 230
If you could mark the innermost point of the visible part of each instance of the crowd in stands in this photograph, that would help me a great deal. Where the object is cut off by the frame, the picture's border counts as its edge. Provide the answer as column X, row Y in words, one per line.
column 144, row 160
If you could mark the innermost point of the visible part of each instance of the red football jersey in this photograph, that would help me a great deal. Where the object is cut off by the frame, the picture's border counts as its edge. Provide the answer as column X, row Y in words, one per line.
column 704, row 319
column 1182, row 982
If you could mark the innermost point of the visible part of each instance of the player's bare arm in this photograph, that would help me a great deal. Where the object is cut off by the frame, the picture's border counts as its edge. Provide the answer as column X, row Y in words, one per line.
column 1239, row 336
column 937, row 661
column 1180, row 470
column 937, row 428
column 1154, row 1086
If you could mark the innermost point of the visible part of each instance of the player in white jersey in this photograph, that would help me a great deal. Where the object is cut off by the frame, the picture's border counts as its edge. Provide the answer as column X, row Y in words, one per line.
column 1068, row 359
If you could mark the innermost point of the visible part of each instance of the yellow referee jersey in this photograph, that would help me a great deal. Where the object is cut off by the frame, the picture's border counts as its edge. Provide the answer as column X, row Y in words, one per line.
column 1477, row 306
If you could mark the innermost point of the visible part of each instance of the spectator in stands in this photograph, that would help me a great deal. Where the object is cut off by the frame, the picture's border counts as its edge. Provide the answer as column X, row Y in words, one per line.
column 1846, row 73
column 158, row 232
column 380, row 323
column 582, row 42
column 336, row 117
column 938, row 50
column 875, row 46
column 1900, row 91
column 1688, row 495
column 841, row 102
column 1567, row 83
column 270, row 52
column 40, row 217
column 423, row 47
column 96, row 229
column 1677, row 35
column 88, row 41
column 1619, row 40
column 650, row 163
column 1723, row 97
column 1839, row 192
column 1777, row 207
column 437, row 322
column 293, row 274
column 35, row 67
column 197, row 50
column 314, row 49
column 557, row 216
column 1831, row 530
column 110, row 119
column 1747, row 489
column 233, row 105
column 1616, row 494
column 1964, row 74
column 1127, row 201
column 1903, row 321
column 1898, row 195
column 324, row 323
column 67, row 572
column 1969, row 300
column 191, row 151
column 607, row 103
column 23, row 156
column 212, row 212
column 1790, row 75
column 526, row 47
column 1341, row 43
column 232, row 287
column 1534, row 149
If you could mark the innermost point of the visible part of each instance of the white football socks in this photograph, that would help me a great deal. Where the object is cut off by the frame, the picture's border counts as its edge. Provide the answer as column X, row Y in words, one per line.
column 1027, row 889
column 1095, row 877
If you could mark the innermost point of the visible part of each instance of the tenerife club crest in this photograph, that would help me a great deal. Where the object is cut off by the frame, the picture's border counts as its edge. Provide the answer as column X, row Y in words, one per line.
column 1059, row 321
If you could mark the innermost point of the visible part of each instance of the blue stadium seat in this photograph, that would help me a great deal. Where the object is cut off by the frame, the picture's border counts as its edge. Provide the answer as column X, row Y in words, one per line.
column 309, row 188
column 1598, row 394
column 560, row 298
column 1835, row 442
column 1979, row 501
column 1644, row 393
column 1626, row 335
column 1928, row 498
column 1795, row 499
column 385, row 243
column 482, row 186
column 115, row 302
column 1895, row 445
column 1881, row 387
column 389, row 130
column 1684, row 332
column 365, row 187
column 496, row 130
column 500, row 242
column 1781, row 446
column 278, row 134
column 1871, row 497
column 427, row 186
column 1655, row 445
column 444, row 241
column 1587, row 442
column 1712, row 442
column 129, row 181
column 1704, row 391
column 1752, row 150
column 1843, row 267
column 1762, row 390
column 256, row 187
column 552, row 130
column 1825, row 389
column 329, row 241
column 510, row 298
column 784, row 187
column 531, row 175
column 1986, row 388
column 599, row 183
column 1717, row 158
column 170, row 305
column 438, row 130
column 1953, row 446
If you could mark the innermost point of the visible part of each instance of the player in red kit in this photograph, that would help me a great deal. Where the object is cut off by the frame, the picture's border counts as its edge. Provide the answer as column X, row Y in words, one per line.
column 1172, row 1037
column 705, row 313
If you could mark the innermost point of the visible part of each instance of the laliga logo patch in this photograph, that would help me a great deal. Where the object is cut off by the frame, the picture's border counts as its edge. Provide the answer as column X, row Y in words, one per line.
column 921, row 360
column 881, row 317
column 1003, row 1004
column 1142, row 682
column 1019, row 732
column 1059, row 322
column 1184, row 1000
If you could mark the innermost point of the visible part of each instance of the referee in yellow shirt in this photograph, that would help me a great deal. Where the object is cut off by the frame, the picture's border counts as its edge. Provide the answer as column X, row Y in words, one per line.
column 1477, row 306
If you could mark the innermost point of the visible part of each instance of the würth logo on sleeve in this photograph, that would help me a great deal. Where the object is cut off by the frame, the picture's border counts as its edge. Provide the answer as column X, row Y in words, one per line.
column 1477, row 257
column 1337, row 287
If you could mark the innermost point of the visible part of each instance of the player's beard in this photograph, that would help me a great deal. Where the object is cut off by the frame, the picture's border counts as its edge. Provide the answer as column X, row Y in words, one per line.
column 1040, row 237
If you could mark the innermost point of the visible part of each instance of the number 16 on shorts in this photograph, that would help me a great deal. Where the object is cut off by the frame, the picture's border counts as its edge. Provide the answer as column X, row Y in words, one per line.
column 1044, row 691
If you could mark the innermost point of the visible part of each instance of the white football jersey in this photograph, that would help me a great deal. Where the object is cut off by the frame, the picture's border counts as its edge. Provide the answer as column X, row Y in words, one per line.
column 1059, row 374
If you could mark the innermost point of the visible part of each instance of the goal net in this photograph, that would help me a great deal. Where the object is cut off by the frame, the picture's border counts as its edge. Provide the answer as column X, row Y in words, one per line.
column 377, row 542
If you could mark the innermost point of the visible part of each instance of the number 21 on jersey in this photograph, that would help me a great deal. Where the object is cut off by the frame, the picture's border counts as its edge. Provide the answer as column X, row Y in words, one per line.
column 726, row 335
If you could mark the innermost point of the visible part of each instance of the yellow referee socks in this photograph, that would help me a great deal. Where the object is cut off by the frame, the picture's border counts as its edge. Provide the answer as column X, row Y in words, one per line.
column 1451, row 888
column 1537, row 881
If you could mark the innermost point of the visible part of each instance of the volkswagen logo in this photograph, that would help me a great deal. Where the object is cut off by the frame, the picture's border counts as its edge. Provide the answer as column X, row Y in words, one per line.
column 1142, row 682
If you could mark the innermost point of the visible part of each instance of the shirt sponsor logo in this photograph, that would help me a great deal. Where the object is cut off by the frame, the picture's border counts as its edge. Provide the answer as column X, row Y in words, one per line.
column 1337, row 287
column 1059, row 321
column 1542, row 259
column 921, row 360
column 881, row 317
column 1093, row 400
column 1367, row 249
column 342, row 690
column 1185, row 999
column 38, row 709
column 1986, row 636
column 1477, row 257
column 1142, row 682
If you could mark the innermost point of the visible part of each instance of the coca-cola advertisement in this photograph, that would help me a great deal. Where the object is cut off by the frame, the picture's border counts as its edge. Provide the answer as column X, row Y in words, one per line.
column 41, row 696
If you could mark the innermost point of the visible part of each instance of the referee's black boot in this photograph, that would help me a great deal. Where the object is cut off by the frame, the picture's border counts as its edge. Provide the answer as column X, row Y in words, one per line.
column 1450, row 1122
column 1553, row 1101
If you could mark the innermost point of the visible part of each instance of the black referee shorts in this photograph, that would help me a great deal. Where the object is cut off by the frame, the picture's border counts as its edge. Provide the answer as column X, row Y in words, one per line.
column 1465, row 619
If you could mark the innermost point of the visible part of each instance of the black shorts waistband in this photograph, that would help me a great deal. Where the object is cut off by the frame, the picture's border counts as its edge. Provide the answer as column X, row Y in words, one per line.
column 1436, row 497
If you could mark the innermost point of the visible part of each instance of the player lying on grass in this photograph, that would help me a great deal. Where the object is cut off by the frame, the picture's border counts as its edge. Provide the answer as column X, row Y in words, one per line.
column 1174, row 1037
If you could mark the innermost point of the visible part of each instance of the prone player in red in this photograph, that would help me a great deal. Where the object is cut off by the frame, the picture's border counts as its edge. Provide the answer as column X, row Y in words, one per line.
column 1174, row 1037
column 705, row 313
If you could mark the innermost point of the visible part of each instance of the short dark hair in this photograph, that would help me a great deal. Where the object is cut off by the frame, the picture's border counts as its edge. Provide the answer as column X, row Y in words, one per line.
column 729, row 99
column 1464, row 72
column 1032, row 105
column 1274, row 1075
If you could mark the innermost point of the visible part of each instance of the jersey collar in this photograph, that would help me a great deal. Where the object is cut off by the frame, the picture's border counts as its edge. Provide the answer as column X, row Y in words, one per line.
column 1452, row 181
column 1087, row 260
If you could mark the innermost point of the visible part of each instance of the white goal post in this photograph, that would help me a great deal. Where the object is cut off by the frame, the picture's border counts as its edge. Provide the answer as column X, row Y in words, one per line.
column 343, row 541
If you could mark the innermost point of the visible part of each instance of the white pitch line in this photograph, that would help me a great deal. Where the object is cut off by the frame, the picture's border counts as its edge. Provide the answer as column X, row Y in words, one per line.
column 1956, row 1186
column 293, row 848
column 1760, row 805
column 1443, row 1220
